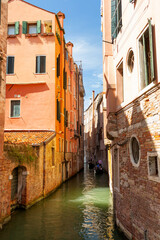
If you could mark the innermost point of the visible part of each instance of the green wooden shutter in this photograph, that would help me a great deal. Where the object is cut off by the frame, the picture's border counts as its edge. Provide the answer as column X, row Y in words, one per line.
column 58, row 65
column 151, row 50
column 58, row 111
column 39, row 26
column 16, row 28
column 145, row 61
column 64, row 116
column 113, row 18
column 24, row 27
column 119, row 15
column 64, row 79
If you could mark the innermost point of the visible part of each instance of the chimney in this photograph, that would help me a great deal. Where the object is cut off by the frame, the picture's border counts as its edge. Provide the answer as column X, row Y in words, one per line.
column 70, row 46
column 61, row 16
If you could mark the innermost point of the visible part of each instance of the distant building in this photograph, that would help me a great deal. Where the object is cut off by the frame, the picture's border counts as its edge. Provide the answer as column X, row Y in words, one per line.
column 131, row 82
column 94, row 147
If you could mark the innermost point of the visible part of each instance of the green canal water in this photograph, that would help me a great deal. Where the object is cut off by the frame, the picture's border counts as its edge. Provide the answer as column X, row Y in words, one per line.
column 80, row 209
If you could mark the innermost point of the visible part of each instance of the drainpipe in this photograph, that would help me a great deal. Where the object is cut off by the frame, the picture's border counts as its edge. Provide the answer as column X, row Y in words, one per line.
column 66, row 172
column 44, row 167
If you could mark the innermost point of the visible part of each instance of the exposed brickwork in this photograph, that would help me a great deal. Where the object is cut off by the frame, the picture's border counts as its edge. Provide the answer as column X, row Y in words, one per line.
column 138, row 199
column 4, row 206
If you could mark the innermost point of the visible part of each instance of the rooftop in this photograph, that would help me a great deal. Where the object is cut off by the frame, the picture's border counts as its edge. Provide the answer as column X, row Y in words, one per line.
column 28, row 137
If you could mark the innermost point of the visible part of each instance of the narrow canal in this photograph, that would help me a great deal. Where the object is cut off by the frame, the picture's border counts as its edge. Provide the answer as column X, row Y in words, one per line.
column 80, row 209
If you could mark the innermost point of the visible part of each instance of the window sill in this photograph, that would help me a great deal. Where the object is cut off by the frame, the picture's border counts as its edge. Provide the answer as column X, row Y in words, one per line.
column 14, row 117
column 154, row 178
column 47, row 34
column 40, row 73
column 31, row 35
column 10, row 74
column 11, row 36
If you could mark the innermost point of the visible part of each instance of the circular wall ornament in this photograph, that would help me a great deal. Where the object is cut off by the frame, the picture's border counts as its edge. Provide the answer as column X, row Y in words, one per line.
column 135, row 151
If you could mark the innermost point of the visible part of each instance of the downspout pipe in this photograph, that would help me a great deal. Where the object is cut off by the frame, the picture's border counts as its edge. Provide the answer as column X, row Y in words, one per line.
column 44, row 167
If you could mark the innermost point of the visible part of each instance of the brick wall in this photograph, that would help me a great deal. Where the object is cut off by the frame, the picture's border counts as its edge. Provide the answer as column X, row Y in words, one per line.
column 4, row 206
column 137, row 200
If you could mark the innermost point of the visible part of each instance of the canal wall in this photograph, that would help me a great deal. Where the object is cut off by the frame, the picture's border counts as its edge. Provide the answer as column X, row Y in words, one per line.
column 136, row 172
column 32, row 172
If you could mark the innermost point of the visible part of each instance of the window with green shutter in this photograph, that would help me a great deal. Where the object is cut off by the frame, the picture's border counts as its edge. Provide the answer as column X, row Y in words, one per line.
column 146, row 57
column 116, row 17
column 58, row 65
column 31, row 28
column 15, row 108
column 64, row 79
column 65, row 117
column 58, row 111
column 13, row 29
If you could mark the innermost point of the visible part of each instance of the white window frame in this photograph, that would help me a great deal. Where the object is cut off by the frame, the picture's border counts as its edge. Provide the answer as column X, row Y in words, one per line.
column 153, row 154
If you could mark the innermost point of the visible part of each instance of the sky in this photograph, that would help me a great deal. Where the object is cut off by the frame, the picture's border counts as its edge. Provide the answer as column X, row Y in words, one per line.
column 82, row 27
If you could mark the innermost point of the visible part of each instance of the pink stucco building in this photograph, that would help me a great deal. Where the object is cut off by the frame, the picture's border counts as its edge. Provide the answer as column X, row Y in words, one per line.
column 31, row 68
column 131, row 82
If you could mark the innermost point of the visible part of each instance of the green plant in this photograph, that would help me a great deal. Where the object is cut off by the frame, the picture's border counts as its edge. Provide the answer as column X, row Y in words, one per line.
column 20, row 153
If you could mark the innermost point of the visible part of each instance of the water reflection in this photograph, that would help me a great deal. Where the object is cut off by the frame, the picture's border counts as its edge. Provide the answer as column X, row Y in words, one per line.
column 80, row 209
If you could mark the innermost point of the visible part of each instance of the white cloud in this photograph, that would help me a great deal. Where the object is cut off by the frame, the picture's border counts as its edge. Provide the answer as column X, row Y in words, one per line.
column 96, row 85
column 89, row 53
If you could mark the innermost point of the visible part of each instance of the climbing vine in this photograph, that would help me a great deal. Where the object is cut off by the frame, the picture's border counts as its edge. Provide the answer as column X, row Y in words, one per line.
column 20, row 153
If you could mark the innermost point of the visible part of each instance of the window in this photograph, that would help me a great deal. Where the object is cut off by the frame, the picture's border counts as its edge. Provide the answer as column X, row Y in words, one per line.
column 53, row 158
column 116, row 17
column 13, row 29
column 64, row 79
column 10, row 65
column 134, row 151
column 15, row 108
column 146, row 57
column 153, row 164
column 48, row 26
column 58, row 111
column 65, row 117
column 31, row 28
column 120, row 85
column 66, row 55
column 41, row 64
column 58, row 65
